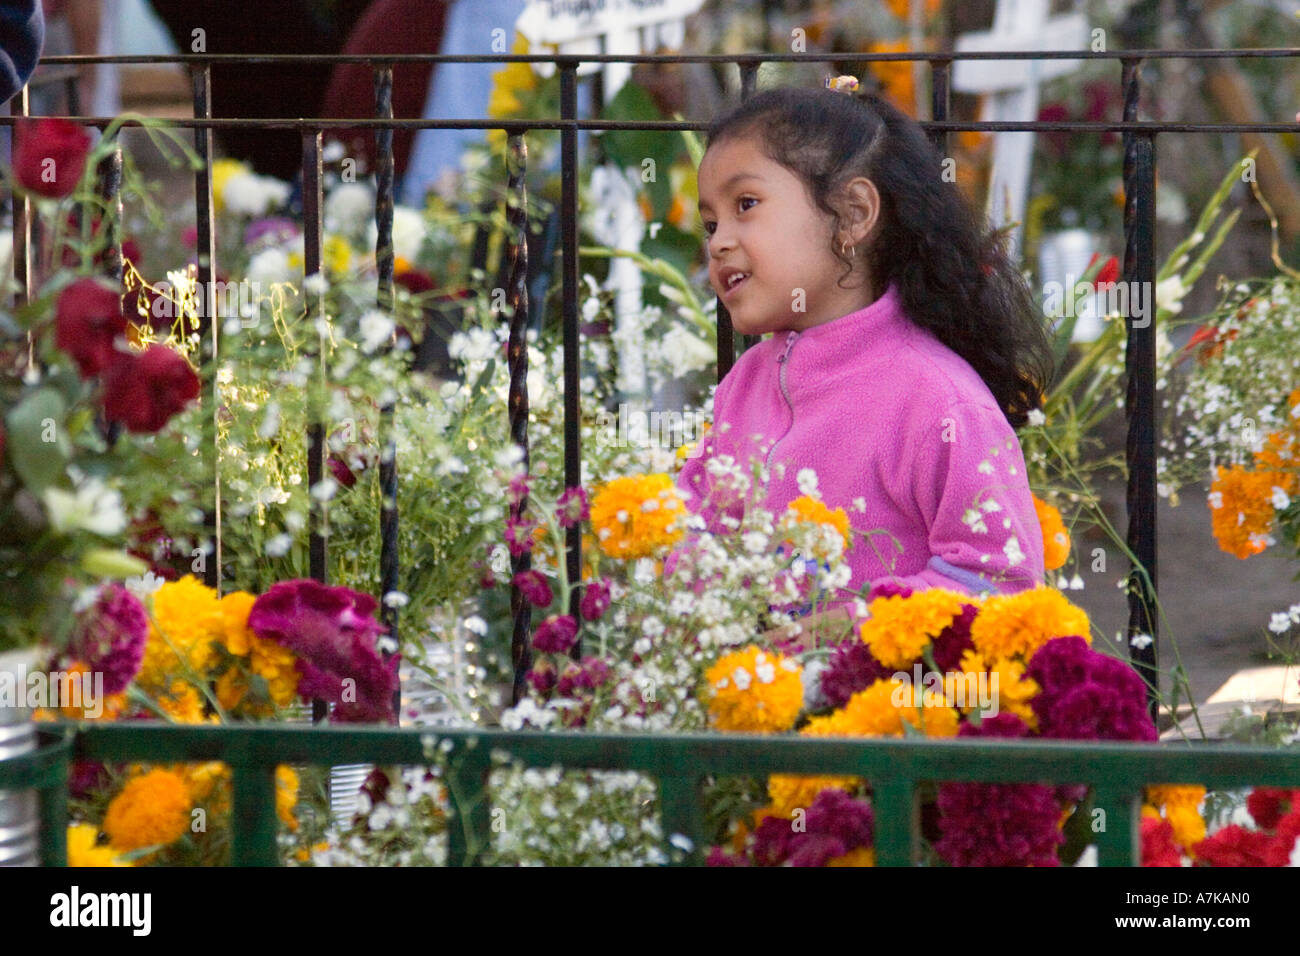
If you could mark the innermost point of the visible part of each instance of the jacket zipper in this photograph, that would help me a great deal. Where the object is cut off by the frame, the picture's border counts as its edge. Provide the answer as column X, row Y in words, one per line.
column 785, row 392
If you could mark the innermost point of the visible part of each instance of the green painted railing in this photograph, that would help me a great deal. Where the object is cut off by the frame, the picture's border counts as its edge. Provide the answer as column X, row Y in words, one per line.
column 1116, row 772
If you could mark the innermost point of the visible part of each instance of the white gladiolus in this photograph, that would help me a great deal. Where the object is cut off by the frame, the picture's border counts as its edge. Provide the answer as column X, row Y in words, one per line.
column 92, row 507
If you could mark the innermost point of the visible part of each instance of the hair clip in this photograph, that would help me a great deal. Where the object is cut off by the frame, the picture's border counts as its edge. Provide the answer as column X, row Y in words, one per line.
column 842, row 84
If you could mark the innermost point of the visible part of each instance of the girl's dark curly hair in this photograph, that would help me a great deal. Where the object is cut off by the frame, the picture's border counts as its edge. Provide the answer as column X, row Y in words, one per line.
column 953, row 275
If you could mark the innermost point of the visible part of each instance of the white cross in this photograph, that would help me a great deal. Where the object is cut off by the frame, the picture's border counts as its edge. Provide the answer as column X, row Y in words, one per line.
column 1018, row 25
column 612, row 26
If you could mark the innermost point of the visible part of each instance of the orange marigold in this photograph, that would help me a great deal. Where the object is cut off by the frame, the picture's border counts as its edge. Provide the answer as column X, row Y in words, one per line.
column 1241, row 509
column 636, row 516
column 151, row 810
column 1011, row 625
column 1056, row 540
column 185, row 619
column 755, row 690
column 883, row 708
column 900, row 628
column 806, row 510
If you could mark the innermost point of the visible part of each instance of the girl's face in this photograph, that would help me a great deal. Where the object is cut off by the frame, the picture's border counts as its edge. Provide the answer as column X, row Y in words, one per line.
column 769, row 246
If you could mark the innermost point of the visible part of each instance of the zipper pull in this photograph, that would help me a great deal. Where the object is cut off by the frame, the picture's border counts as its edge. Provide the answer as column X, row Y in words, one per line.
column 789, row 344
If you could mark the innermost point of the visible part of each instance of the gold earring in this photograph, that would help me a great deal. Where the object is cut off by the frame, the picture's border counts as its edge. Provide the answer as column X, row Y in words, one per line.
column 847, row 250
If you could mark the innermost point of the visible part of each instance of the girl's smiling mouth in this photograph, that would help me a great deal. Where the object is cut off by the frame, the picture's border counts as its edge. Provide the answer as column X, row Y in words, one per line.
column 731, row 280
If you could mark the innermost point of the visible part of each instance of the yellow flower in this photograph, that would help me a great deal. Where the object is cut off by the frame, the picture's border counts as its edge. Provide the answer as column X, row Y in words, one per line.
column 84, row 848
column 286, row 795
column 186, row 618
column 875, row 712
column 1010, row 625
column 109, row 706
column 151, row 810
column 336, row 254
column 182, row 703
column 806, row 510
column 201, row 778
column 862, row 856
column 900, row 628
column 755, row 690
column 1005, row 675
column 507, row 83
column 636, row 516
column 1181, row 806
column 1241, row 509
column 222, row 171
column 790, row 792
column 235, row 633
column 1056, row 540
column 267, row 659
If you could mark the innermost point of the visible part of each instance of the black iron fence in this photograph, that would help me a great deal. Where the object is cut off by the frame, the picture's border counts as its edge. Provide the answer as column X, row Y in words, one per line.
column 1139, row 263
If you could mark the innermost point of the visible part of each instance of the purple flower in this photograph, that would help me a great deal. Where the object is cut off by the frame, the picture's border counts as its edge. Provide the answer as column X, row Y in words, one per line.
column 332, row 632
column 535, row 588
column 834, row 825
column 278, row 228
column 590, row 674
column 542, row 676
column 998, row 824
column 519, row 536
column 110, row 637
column 518, row 489
column 556, row 634
column 851, row 669
column 595, row 600
column 572, row 507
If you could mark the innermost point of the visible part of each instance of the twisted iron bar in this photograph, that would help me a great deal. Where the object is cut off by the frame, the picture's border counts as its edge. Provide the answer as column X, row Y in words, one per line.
column 517, row 360
column 388, row 556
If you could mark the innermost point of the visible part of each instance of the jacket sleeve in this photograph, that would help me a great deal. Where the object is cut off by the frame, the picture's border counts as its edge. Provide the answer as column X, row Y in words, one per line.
column 968, row 481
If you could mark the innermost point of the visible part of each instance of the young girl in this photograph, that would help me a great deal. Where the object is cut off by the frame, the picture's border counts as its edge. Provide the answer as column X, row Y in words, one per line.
column 904, row 346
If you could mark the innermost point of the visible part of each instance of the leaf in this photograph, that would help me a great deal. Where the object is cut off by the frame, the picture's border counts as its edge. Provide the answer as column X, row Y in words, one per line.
column 39, row 463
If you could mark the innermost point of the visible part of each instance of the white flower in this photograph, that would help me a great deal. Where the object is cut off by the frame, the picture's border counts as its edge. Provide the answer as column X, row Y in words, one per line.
column 376, row 329
column 269, row 266
column 408, row 233
column 396, row 599
column 807, row 479
column 1169, row 294
column 92, row 507
column 324, row 489
column 248, row 194
column 278, row 546
column 1279, row 623
column 1036, row 417
column 1140, row 641
column 144, row 585
column 1012, row 550
column 1280, row 498
column 686, row 351
column 476, row 345
column 348, row 208
column 741, row 678
column 1076, row 583
column 652, row 627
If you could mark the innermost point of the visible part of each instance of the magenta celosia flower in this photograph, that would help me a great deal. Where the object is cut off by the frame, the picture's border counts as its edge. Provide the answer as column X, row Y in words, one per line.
column 519, row 536
column 572, row 507
column 280, row 230
column 556, row 634
column 1087, row 695
column 332, row 632
column 996, row 824
column 542, row 677
column 834, row 825
column 851, row 669
column 111, row 635
column 595, row 600
column 535, row 588
column 593, row 672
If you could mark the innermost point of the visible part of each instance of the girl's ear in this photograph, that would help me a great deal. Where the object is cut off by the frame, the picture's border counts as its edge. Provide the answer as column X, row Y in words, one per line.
column 861, row 210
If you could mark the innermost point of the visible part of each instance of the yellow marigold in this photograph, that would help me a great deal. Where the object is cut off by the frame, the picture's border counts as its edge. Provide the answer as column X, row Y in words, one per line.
column 286, row 795
column 900, row 628
column 862, row 856
column 201, row 778
column 881, row 710
column 634, row 516
column 1005, row 676
column 182, row 703
column 151, row 810
column 895, row 76
column 336, row 254
column 1010, row 625
column 1241, row 509
column 1056, row 540
column 507, row 83
column 1281, row 455
column 186, row 618
column 105, row 707
column 755, row 690
column 789, row 791
column 806, row 510
column 235, row 632
column 84, row 848
column 1181, row 807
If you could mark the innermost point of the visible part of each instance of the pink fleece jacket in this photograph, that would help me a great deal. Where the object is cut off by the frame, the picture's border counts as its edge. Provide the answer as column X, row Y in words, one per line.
column 890, row 418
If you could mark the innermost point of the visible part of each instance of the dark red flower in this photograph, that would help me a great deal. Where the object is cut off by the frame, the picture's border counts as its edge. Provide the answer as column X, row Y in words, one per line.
column 87, row 322
column 1107, row 275
column 143, row 390
column 1157, row 840
column 535, row 588
column 1234, row 845
column 595, row 600
column 341, row 472
column 49, row 155
column 556, row 635
column 414, row 281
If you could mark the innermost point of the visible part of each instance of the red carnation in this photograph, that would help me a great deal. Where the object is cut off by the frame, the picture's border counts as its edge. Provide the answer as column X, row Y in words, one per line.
column 1158, row 846
column 144, row 390
column 88, row 320
column 49, row 155
column 1234, row 845
column 1107, row 275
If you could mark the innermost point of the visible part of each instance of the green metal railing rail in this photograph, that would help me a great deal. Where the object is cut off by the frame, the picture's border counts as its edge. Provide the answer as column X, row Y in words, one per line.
column 680, row 763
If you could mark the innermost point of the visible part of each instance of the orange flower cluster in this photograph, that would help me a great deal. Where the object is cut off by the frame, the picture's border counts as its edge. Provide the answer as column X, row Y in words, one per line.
column 1056, row 540
column 1244, row 501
